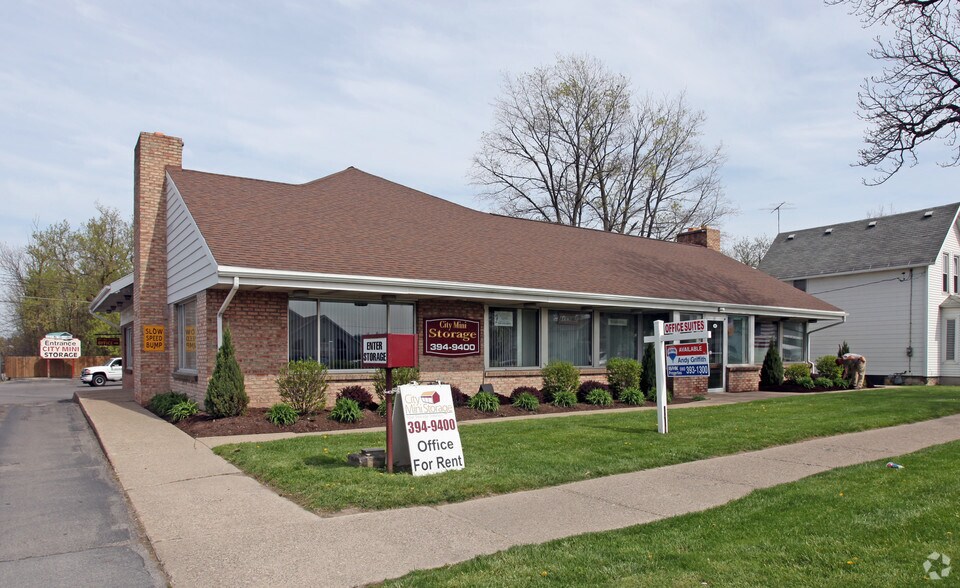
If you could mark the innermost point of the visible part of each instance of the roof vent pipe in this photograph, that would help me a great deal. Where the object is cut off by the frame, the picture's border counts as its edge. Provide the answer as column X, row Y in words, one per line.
column 223, row 309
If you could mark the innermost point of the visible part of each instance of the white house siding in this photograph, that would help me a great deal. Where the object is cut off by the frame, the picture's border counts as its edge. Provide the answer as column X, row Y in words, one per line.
column 934, row 319
column 191, row 267
column 879, row 318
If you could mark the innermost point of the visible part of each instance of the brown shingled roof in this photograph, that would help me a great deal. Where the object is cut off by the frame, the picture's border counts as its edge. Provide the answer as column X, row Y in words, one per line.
column 355, row 223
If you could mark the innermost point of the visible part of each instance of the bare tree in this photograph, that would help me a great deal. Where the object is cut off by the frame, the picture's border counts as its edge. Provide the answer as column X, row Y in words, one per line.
column 917, row 97
column 881, row 210
column 570, row 146
column 749, row 250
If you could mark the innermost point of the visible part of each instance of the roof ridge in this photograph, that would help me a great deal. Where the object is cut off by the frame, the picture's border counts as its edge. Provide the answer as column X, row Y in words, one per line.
column 954, row 205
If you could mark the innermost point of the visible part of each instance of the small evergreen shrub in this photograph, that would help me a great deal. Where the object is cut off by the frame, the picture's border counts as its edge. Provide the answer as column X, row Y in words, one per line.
column 161, row 404
column 484, row 402
column 226, row 393
column 587, row 387
column 459, row 398
column 358, row 394
column 822, row 382
column 599, row 397
column 805, row 381
column 182, row 410
column 796, row 371
column 346, row 410
column 401, row 376
column 528, row 390
column 843, row 349
column 648, row 372
column 559, row 376
column 282, row 413
column 771, row 373
column 623, row 373
column 303, row 385
column 827, row 367
column 632, row 396
column 564, row 398
column 526, row 401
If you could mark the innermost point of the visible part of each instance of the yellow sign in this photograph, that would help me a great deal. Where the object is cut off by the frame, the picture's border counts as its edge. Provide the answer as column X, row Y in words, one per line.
column 153, row 338
column 190, row 334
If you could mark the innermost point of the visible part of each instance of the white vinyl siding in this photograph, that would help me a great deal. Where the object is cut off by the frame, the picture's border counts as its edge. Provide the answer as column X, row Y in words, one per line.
column 936, row 296
column 190, row 264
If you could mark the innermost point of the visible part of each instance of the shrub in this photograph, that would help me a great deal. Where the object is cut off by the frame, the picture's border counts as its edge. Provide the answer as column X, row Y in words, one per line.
column 564, row 398
column 358, row 394
column 346, row 410
column 623, row 373
column 771, row 374
column 843, row 349
column 599, row 397
column 796, row 371
column 699, row 397
column 822, row 382
column 459, row 398
column 805, row 381
column 841, row 382
column 528, row 390
column 401, row 376
column 632, row 396
column 226, row 394
column 526, row 401
column 827, row 367
column 182, row 410
column 589, row 386
column 161, row 404
column 648, row 372
column 484, row 402
column 282, row 413
column 303, row 385
column 559, row 376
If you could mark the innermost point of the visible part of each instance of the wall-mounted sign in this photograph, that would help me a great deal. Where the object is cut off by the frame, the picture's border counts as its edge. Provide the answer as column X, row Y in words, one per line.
column 503, row 318
column 427, row 438
column 108, row 340
column 57, row 348
column 388, row 351
column 153, row 339
column 687, row 359
column 451, row 337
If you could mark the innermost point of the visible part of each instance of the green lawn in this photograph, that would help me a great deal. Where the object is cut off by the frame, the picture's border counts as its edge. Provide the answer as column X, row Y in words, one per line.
column 510, row 456
column 864, row 525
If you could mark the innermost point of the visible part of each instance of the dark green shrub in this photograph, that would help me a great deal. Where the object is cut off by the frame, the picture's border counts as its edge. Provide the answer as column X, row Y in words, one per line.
column 822, row 382
column 623, row 373
column 182, row 410
column 771, row 374
column 346, row 410
column 226, row 393
column 841, row 382
column 528, row 390
column 648, row 372
column 282, row 413
column 484, row 402
column 632, row 396
column 599, row 397
column 589, row 386
column 827, row 367
column 401, row 376
column 526, row 401
column 459, row 398
column 358, row 394
column 559, row 376
column 805, row 381
column 161, row 404
column 303, row 385
column 796, row 371
column 564, row 398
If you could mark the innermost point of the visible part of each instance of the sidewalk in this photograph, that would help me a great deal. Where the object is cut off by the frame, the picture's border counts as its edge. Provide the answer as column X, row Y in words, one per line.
column 212, row 526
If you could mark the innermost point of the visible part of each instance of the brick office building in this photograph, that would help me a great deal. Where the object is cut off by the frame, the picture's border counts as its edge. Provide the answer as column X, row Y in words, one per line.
column 302, row 271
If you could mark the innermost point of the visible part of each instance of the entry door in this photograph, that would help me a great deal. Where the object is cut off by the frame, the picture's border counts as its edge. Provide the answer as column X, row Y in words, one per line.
column 717, row 349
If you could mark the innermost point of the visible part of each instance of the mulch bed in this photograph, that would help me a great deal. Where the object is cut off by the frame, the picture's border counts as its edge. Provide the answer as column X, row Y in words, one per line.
column 255, row 420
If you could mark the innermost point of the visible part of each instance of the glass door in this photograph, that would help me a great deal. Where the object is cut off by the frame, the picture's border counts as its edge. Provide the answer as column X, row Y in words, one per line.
column 716, row 350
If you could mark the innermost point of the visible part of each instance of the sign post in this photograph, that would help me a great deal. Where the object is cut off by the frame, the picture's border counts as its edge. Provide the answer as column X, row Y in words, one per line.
column 388, row 351
column 695, row 329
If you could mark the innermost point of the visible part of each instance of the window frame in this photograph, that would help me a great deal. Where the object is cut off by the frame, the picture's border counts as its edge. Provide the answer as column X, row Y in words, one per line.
column 603, row 354
column 946, row 273
column 591, row 344
column 948, row 349
column 489, row 311
column 181, row 339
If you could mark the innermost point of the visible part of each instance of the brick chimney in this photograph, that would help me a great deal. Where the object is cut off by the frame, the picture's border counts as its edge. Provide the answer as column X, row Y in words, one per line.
column 153, row 154
column 702, row 236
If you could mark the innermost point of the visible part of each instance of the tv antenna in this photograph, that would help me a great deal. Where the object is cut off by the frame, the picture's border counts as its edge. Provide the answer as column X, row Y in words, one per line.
column 777, row 209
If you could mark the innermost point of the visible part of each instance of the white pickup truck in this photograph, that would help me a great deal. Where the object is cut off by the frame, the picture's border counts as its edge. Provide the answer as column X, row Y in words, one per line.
column 98, row 376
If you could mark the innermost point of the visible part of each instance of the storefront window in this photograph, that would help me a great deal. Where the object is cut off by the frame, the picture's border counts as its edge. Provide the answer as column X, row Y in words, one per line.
column 514, row 337
column 737, row 340
column 649, row 318
column 764, row 331
column 618, row 336
column 793, row 347
column 570, row 337
column 302, row 329
column 187, row 335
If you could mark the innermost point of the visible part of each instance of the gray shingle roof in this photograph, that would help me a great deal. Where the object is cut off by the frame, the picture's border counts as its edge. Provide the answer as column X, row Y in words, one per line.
column 898, row 240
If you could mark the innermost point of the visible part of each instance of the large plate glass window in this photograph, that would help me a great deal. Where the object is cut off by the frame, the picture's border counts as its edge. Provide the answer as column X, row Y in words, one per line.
column 764, row 331
column 570, row 337
column 187, row 335
column 514, row 337
column 737, row 340
column 619, row 335
column 302, row 329
column 793, row 335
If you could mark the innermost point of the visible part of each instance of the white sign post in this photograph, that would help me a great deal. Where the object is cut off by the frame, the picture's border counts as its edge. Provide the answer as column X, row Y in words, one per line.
column 427, row 437
column 695, row 329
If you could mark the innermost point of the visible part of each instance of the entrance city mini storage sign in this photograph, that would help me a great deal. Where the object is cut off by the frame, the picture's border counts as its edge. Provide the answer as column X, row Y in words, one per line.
column 451, row 337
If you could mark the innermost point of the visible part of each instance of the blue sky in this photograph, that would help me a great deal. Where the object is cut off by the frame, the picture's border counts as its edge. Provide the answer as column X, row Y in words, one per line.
column 291, row 91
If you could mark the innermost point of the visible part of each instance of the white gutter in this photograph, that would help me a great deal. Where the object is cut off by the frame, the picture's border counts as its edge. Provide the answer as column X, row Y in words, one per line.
column 842, row 320
column 103, row 293
column 223, row 309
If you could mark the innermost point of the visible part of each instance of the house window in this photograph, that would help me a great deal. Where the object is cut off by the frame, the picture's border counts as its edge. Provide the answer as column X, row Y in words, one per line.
column 187, row 335
column 956, row 273
column 764, row 331
column 737, row 340
column 619, row 335
column 514, row 337
column 793, row 335
column 302, row 329
column 950, row 344
column 946, row 272
column 570, row 337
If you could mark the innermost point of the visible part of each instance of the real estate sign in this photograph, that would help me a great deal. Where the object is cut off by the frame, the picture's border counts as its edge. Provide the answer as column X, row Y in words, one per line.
column 427, row 437
column 687, row 359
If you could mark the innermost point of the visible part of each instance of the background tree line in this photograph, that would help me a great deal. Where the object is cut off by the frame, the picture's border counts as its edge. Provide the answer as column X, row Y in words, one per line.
column 48, row 283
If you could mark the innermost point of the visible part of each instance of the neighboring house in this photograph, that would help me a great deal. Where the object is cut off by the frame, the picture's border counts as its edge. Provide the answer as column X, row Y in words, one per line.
column 898, row 278
column 302, row 271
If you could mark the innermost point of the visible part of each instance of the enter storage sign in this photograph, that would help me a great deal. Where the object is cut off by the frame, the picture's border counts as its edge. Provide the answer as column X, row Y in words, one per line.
column 427, row 437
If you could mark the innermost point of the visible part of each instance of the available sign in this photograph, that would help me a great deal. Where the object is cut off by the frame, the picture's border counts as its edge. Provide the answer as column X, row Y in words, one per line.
column 451, row 337
column 56, row 348
column 688, row 359
column 427, row 440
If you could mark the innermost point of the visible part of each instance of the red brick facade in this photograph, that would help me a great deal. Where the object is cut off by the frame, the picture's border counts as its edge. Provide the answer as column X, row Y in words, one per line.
column 743, row 378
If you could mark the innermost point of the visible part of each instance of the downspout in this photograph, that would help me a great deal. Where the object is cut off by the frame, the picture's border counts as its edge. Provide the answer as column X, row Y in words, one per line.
column 842, row 320
column 223, row 309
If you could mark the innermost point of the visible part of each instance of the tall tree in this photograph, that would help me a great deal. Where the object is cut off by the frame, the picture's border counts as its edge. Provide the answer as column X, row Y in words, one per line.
column 916, row 98
column 570, row 145
column 749, row 250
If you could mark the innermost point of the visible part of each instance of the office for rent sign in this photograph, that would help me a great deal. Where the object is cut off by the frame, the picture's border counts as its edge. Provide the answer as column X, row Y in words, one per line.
column 451, row 337
column 427, row 437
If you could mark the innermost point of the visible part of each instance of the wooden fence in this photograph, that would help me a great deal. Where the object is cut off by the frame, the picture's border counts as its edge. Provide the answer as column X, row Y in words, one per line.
column 35, row 367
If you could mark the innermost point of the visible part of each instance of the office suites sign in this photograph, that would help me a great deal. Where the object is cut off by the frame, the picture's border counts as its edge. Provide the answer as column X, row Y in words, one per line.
column 451, row 337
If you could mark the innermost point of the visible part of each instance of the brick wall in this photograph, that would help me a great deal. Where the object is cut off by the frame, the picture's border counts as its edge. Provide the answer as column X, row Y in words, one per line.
column 153, row 153
column 743, row 378
column 465, row 372
column 703, row 236
column 688, row 387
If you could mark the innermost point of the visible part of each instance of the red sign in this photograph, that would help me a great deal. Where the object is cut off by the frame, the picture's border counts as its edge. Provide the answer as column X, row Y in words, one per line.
column 388, row 351
column 451, row 337
column 690, row 348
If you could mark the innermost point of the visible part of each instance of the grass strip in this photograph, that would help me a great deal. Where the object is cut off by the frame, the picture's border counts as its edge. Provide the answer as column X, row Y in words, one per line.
column 864, row 525
column 511, row 456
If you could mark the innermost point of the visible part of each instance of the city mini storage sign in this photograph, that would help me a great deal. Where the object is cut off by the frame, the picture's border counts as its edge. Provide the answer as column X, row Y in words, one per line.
column 56, row 348
column 427, row 437
column 451, row 337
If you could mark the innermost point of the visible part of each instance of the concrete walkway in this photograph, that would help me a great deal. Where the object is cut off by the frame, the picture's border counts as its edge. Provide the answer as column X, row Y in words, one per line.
column 212, row 526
